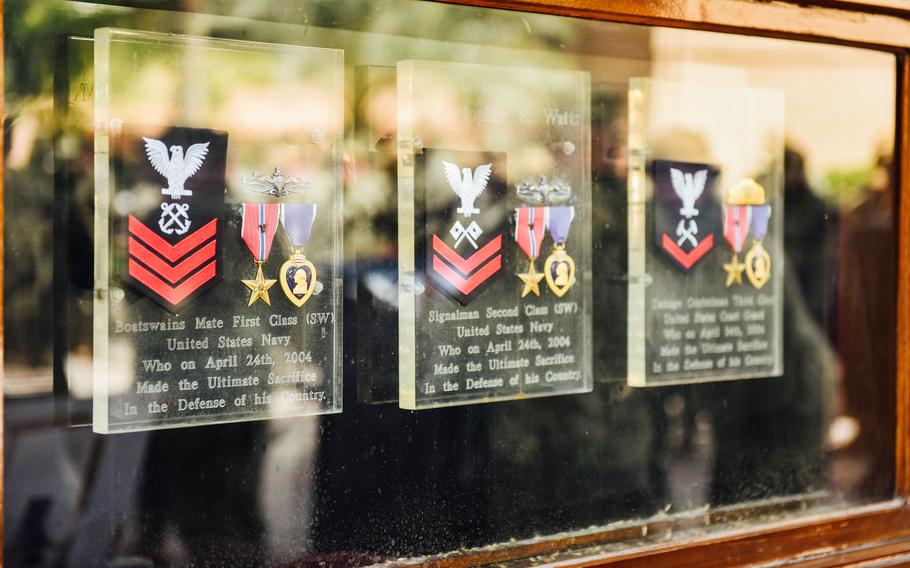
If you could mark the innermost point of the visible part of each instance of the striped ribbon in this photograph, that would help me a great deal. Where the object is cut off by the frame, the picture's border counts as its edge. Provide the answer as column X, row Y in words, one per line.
column 736, row 225
column 260, row 222
column 530, row 227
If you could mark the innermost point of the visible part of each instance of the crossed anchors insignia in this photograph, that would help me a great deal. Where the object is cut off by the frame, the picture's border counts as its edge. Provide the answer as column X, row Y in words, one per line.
column 467, row 185
column 688, row 188
column 174, row 214
column 176, row 167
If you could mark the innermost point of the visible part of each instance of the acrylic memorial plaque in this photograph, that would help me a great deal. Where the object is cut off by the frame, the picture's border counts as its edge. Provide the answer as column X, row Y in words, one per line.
column 73, row 222
column 372, row 236
column 217, row 234
column 706, row 259
column 494, row 233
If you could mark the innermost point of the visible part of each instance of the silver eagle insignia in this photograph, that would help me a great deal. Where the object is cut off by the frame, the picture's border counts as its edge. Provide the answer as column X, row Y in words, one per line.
column 176, row 167
column 688, row 188
column 467, row 184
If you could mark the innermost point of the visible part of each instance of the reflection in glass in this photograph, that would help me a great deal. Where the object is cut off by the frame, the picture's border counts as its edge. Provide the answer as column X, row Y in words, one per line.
column 377, row 482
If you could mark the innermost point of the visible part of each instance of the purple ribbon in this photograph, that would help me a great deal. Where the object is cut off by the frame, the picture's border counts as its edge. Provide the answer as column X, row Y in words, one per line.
column 298, row 219
column 560, row 221
column 761, row 214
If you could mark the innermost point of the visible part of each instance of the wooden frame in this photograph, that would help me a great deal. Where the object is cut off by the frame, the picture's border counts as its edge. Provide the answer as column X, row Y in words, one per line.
column 851, row 23
column 878, row 534
column 2, row 296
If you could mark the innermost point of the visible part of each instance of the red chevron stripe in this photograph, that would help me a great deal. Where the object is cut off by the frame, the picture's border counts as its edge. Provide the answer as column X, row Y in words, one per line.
column 172, row 252
column 466, row 286
column 467, row 265
column 172, row 273
column 173, row 294
column 687, row 259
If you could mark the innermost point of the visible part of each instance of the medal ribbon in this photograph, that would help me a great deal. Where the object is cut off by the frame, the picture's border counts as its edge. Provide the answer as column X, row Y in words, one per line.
column 260, row 221
column 530, row 227
column 736, row 225
column 761, row 214
column 559, row 223
column 298, row 219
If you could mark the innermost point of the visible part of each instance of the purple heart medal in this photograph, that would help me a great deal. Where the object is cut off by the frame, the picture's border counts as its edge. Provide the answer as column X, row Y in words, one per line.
column 559, row 268
column 758, row 261
column 298, row 275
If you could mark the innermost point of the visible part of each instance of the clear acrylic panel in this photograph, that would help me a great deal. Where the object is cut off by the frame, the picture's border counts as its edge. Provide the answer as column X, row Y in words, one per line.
column 706, row 263
column 217, row 257
column 377, row 483
column 494, row 183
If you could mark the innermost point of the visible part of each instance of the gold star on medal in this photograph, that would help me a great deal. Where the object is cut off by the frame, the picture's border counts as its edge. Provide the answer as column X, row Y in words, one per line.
column 734, row 270
column 532, row 279
column 259, row 288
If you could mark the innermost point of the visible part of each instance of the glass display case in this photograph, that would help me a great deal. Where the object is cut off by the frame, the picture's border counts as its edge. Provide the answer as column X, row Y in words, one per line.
column 264, row 262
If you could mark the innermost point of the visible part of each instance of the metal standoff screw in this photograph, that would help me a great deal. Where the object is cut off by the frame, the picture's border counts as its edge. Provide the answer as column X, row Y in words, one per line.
column 566, row 147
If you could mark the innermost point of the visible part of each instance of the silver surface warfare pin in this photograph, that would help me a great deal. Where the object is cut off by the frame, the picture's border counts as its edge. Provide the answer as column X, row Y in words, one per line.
column 277, row 184
column 544, row 191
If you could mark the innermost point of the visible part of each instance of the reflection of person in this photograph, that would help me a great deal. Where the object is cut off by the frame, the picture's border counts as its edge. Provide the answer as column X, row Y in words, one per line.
column 769, row 433
column 810, row 240
column 199, row 491
column 866, row 340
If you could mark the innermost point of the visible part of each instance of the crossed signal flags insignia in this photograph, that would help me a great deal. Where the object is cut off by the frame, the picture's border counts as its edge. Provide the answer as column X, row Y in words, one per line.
column 172, row 272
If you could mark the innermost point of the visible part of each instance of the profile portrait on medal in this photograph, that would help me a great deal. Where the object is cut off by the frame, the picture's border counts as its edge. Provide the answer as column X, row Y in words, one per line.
column 301, row 281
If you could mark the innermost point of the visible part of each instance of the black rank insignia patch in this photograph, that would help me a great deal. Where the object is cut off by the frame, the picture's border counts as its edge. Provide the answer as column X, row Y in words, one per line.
column 173, row 229
column 686, row 212
column 465, row 196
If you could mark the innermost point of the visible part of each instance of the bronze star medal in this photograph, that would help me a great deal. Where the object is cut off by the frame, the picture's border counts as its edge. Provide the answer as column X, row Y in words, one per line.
column 531, row 280
column 530, row 228
column 260, row 221
column 734, row 270
column 259, row 288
